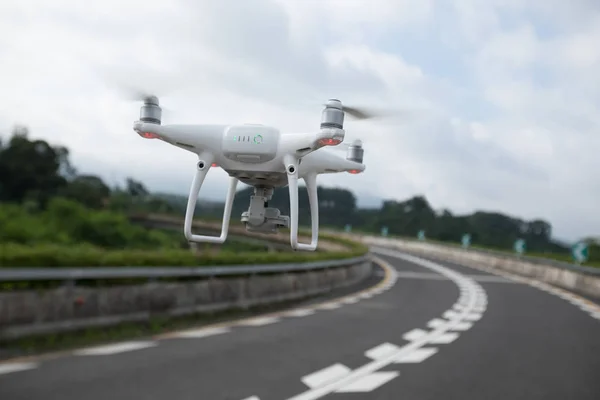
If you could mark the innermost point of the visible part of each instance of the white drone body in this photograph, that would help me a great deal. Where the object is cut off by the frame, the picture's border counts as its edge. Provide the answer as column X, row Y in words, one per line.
column 260, row 156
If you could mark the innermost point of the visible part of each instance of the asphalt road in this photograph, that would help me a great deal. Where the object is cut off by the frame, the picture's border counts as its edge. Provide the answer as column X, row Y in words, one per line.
column 428, row 330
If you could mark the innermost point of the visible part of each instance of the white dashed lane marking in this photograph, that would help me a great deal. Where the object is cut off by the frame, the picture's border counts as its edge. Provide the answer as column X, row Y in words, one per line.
column 445, row 338
column 436, row 323
column 462, row 326
column 259, row 321
column 413, row 335
column 369, row 382
column 114, row 348
column 417, row 356
column 381, row 351
column 325, row 375
column 200, row 333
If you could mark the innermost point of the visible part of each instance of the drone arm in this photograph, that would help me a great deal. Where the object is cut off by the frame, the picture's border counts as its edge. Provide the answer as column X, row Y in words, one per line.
column 302, row 144
column 203, row 166
column 291, row 166
column 194, row 138
column 323, row 162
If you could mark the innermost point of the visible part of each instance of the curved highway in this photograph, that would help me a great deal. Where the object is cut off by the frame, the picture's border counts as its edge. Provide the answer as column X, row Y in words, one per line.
column 425, row 330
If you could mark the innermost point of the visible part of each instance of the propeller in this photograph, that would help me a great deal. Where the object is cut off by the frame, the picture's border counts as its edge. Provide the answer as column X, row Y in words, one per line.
column 137, row 94
column 133, row 93
column 362, row 113
column 401, row 115
column 140, row 85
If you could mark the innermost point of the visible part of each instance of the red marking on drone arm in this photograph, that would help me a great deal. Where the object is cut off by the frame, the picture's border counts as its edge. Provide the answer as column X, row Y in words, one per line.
column 329, row 142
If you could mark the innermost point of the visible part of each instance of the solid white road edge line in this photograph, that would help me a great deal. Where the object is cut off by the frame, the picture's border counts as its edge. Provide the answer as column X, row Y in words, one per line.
column 301, row 312
column 16, row 367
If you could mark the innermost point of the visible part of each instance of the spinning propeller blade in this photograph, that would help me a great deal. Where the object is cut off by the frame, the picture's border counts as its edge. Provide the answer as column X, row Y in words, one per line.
column 360, row 113
column 138, row 85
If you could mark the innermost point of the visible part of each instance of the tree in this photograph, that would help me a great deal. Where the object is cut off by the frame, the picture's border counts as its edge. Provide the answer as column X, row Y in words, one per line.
column 136, row 188
column 29, row 169
column 87, row 189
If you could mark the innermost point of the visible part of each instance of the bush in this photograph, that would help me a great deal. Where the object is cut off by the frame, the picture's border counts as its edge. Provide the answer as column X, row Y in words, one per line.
column 68, row 222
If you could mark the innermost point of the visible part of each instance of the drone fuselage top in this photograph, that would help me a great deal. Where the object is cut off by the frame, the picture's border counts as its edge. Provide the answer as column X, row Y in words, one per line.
column 260, row 156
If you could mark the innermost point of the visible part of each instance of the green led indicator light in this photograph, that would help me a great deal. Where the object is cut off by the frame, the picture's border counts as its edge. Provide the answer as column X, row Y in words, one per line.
column 256, row 139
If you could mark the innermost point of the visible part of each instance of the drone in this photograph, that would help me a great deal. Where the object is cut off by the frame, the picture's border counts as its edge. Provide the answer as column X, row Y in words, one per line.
column 263, row 157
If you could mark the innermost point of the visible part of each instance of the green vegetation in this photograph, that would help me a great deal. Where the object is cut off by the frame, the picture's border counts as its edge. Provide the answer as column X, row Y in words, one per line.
column 65, row 222
column 48, row 256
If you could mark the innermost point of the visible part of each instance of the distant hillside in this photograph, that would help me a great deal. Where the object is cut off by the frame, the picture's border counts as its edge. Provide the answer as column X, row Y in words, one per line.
column 406, row 218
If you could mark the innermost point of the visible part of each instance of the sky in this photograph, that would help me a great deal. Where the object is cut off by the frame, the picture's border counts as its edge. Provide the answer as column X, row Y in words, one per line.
column 497, row 100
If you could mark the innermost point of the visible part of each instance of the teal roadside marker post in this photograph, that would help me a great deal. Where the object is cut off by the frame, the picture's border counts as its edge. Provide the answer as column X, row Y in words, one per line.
column 580, row 252
column 466, row 240
column 384, row 231
column 421, row 235
column 519, row 247
column 348, row 228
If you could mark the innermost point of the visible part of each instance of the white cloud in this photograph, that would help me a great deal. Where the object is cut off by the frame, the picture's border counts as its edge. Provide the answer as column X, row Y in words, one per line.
column 530, row 68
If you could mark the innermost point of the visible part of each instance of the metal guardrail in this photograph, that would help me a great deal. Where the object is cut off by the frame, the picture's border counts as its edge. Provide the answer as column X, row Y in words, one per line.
column 531, row 259
column 84, row 273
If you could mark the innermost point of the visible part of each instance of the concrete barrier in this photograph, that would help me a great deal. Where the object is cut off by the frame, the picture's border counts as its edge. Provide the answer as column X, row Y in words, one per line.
column 584, row 281
column 25, row 313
